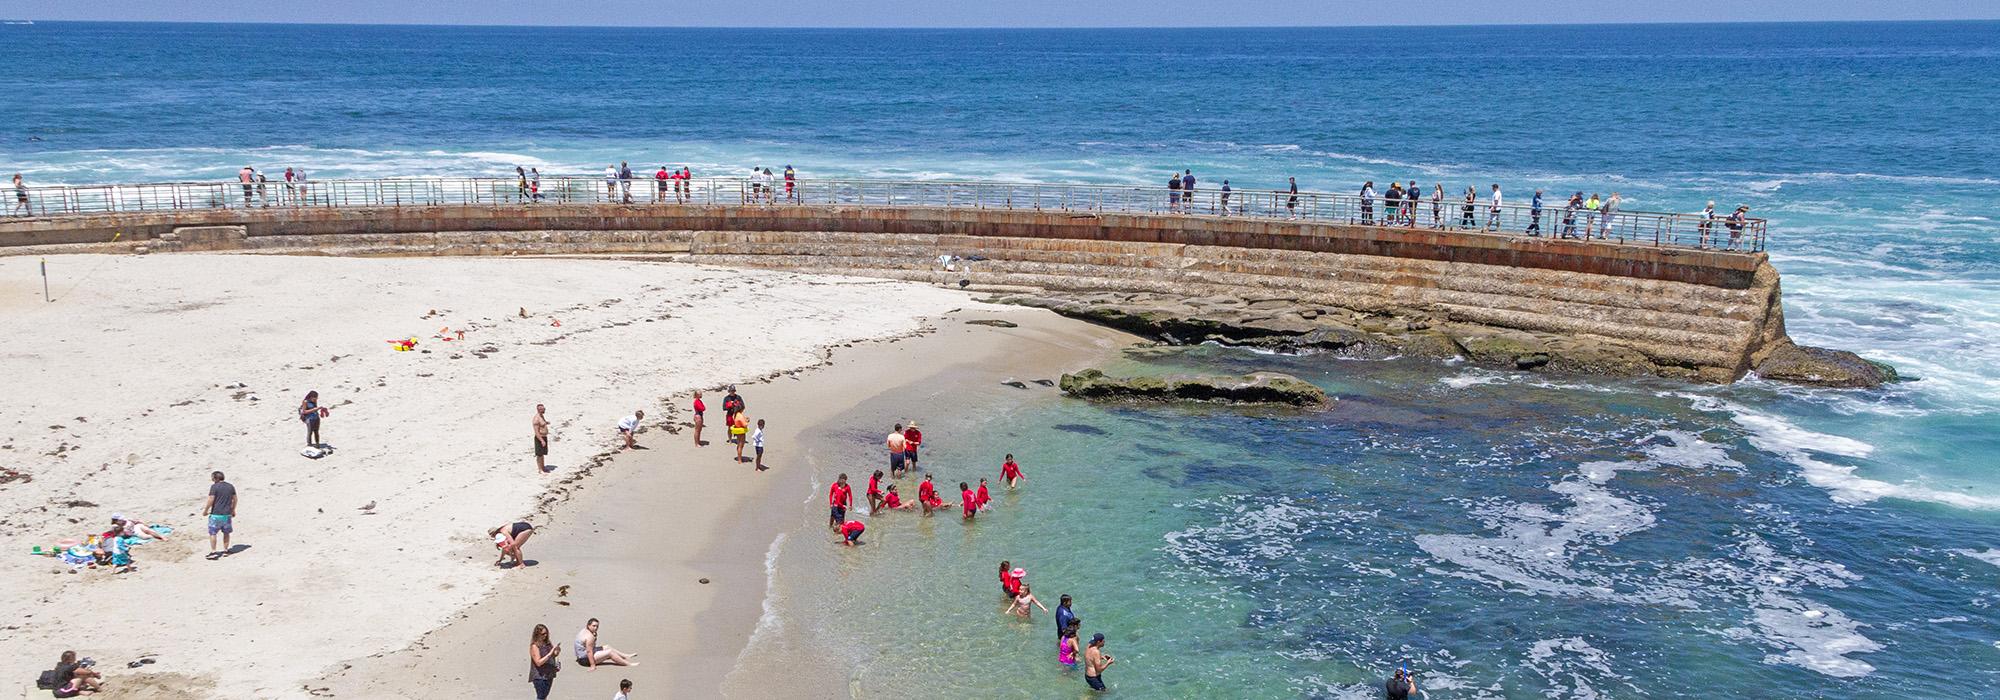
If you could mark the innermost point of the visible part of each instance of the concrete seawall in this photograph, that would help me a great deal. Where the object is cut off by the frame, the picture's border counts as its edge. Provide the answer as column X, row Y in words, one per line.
column 1699, row 314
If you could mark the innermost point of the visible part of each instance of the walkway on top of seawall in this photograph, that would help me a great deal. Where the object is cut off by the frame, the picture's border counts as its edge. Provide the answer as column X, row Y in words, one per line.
column 1662, row 229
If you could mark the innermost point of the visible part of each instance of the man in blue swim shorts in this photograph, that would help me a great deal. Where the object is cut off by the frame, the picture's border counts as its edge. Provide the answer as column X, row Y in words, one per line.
column 221, row 512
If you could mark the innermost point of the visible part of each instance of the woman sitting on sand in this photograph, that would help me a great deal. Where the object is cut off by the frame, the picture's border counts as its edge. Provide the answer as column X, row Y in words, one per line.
column 1024, row 599
column 592, row 655
column 74, row 677
column 508, row 539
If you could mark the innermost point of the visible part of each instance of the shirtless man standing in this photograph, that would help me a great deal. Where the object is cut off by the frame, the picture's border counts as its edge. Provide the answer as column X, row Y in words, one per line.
column 1095, row 661
column 541, row 438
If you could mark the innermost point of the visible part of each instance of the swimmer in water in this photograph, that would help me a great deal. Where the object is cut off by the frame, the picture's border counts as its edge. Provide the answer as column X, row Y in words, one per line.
column 1024, row 599
column 1010, row 472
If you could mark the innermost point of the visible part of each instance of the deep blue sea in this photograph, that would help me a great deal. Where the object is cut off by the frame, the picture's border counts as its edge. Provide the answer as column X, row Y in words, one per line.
column 1507, row 534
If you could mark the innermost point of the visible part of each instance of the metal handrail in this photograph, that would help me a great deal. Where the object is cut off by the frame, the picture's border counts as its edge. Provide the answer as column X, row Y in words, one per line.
column 1452, row 213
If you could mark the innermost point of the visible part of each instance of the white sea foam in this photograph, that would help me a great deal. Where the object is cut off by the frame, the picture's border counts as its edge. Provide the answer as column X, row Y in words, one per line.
column 1990, row 556
column 1569, row 664
column 1801, row 448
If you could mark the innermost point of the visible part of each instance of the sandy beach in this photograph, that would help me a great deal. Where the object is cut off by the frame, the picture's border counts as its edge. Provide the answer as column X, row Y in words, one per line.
column 147, row 372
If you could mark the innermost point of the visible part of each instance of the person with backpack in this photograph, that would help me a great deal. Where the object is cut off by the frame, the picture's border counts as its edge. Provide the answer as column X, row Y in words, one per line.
column 1400, row 687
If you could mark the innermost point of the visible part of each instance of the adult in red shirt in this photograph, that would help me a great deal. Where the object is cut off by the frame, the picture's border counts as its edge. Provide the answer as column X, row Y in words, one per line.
column 875, row 491
column 852, row 530
column 967, row 501
column 912, row 438
column 699, row 409
column 840, row 496
column 660, row 184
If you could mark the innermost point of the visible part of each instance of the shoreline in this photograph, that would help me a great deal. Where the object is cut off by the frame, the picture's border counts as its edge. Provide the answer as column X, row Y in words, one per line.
column 692, row 636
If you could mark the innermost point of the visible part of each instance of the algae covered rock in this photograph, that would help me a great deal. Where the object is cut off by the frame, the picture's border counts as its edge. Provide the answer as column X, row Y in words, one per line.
column 1804, row 364
column 1256, row 387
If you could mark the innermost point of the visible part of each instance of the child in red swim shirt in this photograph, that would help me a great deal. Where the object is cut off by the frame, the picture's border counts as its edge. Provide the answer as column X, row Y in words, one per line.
column 967, row 501
column 983, row 498
column 893, row 501
column 927, row 495
column 852, row 530
column 1011, row 473
column 875, row 491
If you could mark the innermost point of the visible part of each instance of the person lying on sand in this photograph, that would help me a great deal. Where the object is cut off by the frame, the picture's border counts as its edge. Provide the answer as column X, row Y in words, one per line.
column 128, row 527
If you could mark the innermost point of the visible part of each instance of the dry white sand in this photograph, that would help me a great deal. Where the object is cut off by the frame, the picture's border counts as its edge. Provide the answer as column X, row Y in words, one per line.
column 147, row 372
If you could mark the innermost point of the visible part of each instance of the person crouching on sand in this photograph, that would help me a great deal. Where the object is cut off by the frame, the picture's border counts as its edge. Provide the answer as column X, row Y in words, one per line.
column 590, row 654
column 851, row 530
column 629, row 427
column 508, row 539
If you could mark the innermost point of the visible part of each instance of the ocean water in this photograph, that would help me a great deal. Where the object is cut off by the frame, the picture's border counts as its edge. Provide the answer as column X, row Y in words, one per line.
column 1510, row 535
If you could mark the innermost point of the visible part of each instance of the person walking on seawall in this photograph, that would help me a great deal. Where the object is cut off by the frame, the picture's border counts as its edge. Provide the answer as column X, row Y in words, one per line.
column 611, row 183
column 310, row 412
column 1225, row 198
column 520, row 183
column 791, row 181
column 687, row 192
column 1706, row 227
column 1737, row 221
column 20, row 197
column 1610, row 209
column 1368, row 202
column 1412, row 196
column 291, row 186
column 1437, row 206
column 1401, row 687
column 1535, row 215
column 625, row 181
column 542, row 662
column 1465, row 219
column 220, row 509
column 541, row 426
column 1590, row 207
column 247, row 177
column 1292, row 203
column 535, row 183
column 1569, row 215
column 1493, row 213
column 1392, row 203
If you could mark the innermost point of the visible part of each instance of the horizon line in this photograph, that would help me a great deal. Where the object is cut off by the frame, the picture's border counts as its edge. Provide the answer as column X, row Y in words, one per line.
column 1011, row 27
